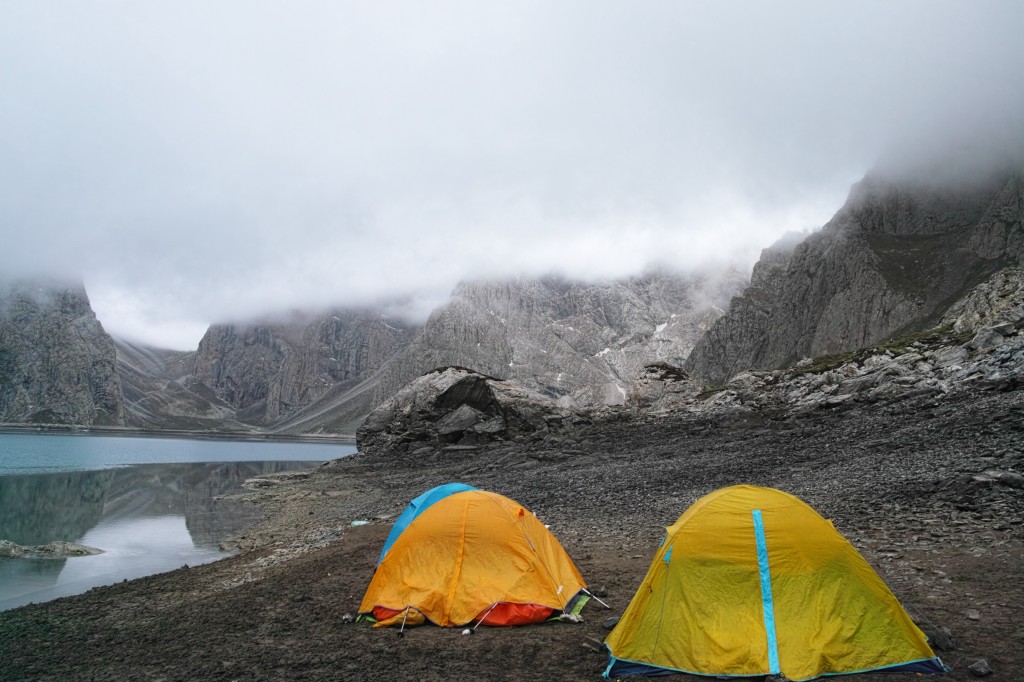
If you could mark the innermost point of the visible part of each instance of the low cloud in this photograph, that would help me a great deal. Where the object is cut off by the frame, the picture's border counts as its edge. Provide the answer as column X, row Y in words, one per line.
column 197, row 163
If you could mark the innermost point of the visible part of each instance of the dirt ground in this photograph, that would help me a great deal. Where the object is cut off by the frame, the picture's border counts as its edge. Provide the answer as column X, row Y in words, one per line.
column 905, row 482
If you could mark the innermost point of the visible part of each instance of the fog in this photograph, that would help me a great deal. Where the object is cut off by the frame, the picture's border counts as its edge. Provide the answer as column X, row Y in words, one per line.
column 197, row 162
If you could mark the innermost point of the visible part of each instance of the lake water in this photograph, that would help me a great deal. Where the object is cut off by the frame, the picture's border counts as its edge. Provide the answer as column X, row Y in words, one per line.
column 149, row 503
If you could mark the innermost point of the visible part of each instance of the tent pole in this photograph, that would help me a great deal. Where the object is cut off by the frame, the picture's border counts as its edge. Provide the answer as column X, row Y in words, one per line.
column 485, row 615
column 591, row 594
column 401, row 630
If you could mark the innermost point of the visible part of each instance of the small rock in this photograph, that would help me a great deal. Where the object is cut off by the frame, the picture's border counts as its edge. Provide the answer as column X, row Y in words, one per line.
column 609, row 623
column 980, row 668
column 940, row 638
column 973, row 614
column 10, row 549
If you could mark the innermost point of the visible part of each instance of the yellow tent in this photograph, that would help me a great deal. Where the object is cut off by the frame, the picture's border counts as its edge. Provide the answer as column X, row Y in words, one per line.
column 752, row 581
column 474, row 556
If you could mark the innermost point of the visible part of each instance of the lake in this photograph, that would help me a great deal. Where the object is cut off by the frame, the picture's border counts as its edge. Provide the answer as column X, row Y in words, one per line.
column 150, row 503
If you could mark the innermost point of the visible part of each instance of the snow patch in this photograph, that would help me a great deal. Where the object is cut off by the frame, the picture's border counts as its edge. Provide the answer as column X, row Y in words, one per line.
column 602, row 352
column 661, row 327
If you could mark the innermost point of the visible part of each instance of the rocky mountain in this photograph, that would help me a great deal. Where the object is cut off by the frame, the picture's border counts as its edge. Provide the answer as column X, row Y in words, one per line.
column 576, row 343
column 57, row 364
column 161, row 391
column 979, row 341
column 281, row 374
column 891, row 261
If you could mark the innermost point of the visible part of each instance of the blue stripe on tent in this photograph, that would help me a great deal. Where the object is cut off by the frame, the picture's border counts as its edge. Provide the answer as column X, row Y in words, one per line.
column 417, row 507
column 766, row 593
column 668, row 554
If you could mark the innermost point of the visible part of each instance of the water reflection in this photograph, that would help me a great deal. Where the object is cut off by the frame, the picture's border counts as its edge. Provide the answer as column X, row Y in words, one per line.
column 147, row 518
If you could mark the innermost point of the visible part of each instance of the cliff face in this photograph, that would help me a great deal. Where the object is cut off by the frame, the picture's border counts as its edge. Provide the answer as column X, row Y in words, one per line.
column 57, row 364
column 892, row 260
column 576, row 343
column 268, row 372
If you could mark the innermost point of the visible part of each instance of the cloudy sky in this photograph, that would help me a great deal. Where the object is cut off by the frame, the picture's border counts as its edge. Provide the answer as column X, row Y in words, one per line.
column 206, row 161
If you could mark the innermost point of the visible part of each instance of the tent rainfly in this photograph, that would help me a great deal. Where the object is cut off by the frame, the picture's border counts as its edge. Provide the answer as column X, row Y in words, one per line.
column 473, row 557
column 752, row 581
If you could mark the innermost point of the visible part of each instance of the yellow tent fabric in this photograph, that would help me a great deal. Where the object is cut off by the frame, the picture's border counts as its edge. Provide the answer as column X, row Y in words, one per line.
column 752, row 581
column 467, row 553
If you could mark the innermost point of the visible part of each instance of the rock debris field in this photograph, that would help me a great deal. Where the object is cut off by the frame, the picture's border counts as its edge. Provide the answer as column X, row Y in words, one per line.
column 928, row 486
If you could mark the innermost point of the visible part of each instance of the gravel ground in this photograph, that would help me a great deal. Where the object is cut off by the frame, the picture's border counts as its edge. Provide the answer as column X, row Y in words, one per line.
column 926, row 487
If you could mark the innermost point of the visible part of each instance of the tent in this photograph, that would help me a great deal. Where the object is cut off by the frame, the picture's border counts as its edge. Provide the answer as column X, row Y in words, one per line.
column 417, row 507
column 473, row 556
column 752, row 581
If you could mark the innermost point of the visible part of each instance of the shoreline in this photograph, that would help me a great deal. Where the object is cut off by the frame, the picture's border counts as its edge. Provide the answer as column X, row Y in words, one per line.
column 79, row 430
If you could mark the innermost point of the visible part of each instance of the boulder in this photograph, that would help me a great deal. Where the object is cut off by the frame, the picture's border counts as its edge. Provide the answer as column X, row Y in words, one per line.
column 661, row 387
column 452, row 406
column 985, row 339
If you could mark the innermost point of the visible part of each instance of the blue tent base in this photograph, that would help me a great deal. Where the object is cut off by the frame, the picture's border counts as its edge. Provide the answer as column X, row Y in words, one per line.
column 618, row 667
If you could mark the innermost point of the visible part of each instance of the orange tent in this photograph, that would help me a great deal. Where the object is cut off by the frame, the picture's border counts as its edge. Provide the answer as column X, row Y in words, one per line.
column 474, row 556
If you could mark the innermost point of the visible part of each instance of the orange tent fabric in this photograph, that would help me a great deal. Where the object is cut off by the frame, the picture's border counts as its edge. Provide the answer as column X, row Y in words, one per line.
column 474, row 555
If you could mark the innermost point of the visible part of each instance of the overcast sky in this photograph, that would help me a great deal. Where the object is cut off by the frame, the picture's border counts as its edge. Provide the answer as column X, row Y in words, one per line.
column 204, row 161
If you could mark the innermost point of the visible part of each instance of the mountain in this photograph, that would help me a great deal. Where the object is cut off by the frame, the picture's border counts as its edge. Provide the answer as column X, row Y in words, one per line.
column 161, row 392
column 577, row 343
column 281, row 374
column 57, row 364
column 890, row 262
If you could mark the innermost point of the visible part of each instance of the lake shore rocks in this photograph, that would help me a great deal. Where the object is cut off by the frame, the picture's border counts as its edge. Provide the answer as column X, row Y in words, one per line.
column 52, row 550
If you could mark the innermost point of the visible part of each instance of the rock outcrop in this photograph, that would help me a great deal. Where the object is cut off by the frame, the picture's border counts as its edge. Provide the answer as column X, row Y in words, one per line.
column 57, row 364
column 891, row 261
column 457, row 407
column 53, row 550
